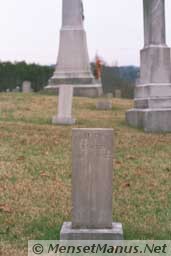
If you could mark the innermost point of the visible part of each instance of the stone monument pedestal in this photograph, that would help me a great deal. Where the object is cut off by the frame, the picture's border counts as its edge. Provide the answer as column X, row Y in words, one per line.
column 80, row 90
column 73, row 66
column 151, row 120
column 114, row 233
column 152, row 102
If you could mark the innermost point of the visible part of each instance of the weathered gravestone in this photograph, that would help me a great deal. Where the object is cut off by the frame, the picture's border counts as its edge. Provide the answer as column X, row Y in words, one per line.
column 92, row 168
column 26, row 87
column 64, row 106
column 118, row 94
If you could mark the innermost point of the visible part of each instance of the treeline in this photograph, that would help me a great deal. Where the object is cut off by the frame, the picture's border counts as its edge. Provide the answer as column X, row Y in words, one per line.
column 12, row 75
column 122, row 78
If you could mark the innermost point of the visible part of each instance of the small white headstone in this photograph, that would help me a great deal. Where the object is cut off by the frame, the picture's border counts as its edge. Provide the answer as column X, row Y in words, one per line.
column 26, row 87
column 118, row 94
column 64, row 106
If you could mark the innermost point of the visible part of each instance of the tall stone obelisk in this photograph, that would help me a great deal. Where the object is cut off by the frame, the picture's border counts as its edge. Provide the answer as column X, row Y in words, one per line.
column 73, row 65
column 152, row 101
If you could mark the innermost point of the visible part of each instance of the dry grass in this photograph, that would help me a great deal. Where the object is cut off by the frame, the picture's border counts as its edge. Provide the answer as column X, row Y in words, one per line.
column 35, row 171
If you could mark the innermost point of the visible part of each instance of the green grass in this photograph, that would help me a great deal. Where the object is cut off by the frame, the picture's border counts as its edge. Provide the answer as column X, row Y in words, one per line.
column 35, row 171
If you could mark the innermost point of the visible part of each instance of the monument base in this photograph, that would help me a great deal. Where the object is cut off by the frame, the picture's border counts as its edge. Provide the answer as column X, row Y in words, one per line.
column 81, row 90
column 115, row 233
column 90, row 92
column 151, row 120
column 63, row 120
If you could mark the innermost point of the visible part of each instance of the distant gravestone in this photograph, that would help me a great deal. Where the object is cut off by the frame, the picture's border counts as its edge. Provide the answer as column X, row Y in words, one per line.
column 109, row 95
column 105, row 103
column 17, row 89
column 7, row 90
column 64, row 106
column 118, row 94
column 92, row 168
column 26, row 87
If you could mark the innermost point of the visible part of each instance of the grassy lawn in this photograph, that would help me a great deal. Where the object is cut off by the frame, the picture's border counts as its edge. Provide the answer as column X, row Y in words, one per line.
column 35, row 171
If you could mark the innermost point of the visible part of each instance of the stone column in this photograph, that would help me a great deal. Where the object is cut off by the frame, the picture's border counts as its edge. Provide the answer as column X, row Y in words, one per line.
column 64, row 116
column 73, row 67
column 152, row 110
column 92, row 168
column 155, row 57
column 154, row 22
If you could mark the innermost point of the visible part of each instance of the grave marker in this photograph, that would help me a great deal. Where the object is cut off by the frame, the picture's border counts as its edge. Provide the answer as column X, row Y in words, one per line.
column 92, row 172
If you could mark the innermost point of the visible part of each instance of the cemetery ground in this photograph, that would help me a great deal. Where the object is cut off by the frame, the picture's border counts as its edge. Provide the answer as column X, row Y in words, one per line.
column 35, row 171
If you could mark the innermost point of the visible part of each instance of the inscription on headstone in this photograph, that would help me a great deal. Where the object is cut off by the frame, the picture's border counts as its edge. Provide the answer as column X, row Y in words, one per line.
column 92, row 170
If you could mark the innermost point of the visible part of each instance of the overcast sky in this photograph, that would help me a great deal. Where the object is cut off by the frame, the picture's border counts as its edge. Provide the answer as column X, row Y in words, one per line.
column 29, row 30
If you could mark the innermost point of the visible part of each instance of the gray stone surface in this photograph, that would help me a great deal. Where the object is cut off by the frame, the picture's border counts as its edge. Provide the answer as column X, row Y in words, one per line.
column 151, row 120
column 118, row 93
column 155, row 65
column 64, row 116
column 154, row 22
column 88, row 91
column 153, row 90
column 152, row 101
column 92, row 158
column 114, row 233
column 83, row 90
column 73, row 65
column 92, row 168
column 26, row 87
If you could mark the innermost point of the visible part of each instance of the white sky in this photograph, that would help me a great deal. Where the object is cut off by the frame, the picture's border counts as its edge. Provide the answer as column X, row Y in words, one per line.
column 29, row 30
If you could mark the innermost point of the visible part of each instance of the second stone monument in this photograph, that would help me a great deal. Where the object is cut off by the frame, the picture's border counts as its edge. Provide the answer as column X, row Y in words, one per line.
column 73, row 67
column 152, row 103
